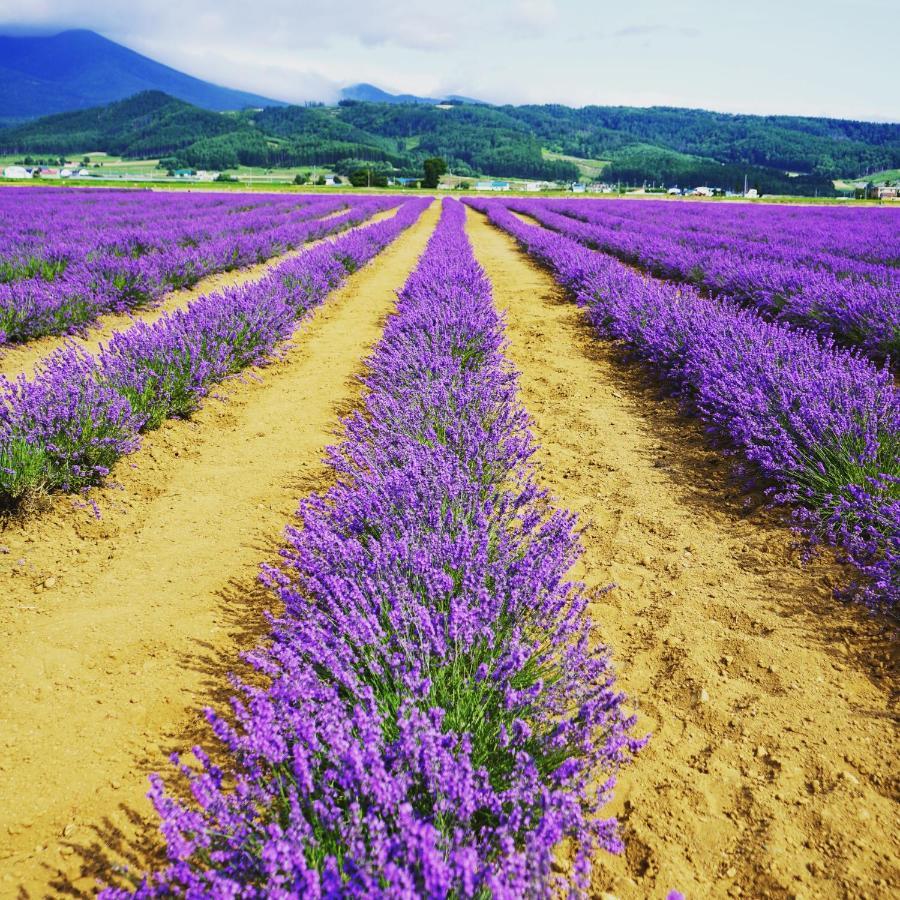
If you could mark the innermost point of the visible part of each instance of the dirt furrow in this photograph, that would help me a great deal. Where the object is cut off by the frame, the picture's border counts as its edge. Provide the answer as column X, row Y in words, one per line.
column 772, row 767
column 115, row 631
column 18, row 358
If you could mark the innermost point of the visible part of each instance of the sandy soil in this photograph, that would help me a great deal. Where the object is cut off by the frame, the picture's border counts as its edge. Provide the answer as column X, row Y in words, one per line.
column 772, row 767
column 115, row 632
column 18, row 358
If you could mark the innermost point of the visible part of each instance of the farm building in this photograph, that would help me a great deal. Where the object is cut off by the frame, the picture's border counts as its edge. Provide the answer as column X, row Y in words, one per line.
column 578, row 187
column 16, row 172
column 492, row 185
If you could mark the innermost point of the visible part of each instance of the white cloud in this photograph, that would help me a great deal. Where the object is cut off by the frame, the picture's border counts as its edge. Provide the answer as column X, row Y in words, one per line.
column 569, row 51
column 638, row 31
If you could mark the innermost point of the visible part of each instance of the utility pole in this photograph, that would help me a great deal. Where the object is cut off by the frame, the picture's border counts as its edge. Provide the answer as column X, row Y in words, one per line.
column 745, row 184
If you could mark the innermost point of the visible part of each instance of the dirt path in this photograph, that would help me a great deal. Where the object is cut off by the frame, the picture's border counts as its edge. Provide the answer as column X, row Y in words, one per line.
column 114, row 632
column 18, row 358
column 772, row 769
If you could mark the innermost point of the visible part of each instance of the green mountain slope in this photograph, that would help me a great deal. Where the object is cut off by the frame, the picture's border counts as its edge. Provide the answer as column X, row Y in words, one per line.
column 661, row 145
column 148, row 124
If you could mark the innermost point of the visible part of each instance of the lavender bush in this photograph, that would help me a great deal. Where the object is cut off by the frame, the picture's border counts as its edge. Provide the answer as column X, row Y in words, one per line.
column 59, row 270
column 820, row 424
column 62, row 430
column 438, row 713
column 788, row 277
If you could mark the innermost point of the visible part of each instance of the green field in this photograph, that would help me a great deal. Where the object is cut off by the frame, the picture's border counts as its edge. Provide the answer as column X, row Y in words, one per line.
column 892, row 175
column 107, row 167
column 589, row 168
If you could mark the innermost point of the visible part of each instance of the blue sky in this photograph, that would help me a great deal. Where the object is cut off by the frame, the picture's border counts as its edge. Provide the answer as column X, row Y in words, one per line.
column 814, row 58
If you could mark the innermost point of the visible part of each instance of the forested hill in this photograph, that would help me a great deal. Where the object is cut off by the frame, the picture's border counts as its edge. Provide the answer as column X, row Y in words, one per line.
column 660, row 144
column 833, row 147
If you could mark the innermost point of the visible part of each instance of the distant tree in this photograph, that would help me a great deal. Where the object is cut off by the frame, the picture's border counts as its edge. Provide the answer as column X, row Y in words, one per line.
column 300, row 178
column 85, row 160
column 464, row 186
column 225, row 176
column 434, row 167
column 320, row 180
column 368, row 178
column 337, row 179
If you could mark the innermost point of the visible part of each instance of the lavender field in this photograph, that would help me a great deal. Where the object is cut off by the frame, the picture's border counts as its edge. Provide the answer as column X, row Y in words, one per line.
column 513, row 547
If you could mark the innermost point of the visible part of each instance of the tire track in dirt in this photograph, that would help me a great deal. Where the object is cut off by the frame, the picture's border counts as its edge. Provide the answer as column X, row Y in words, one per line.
column 18, row 358
column 114, row 632
column 772, row 768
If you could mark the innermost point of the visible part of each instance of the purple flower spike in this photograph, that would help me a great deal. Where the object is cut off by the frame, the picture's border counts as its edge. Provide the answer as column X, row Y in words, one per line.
column 439, row 712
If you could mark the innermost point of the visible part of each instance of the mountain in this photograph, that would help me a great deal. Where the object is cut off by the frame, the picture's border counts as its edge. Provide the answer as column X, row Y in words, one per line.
column 148, row 124
column 41, row 75
column 661, row 145
column 368, row 93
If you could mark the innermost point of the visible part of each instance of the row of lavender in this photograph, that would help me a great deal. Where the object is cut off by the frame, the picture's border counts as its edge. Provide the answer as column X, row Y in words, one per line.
column 45, row 234
column 819, row 424
column 106, row 280
column 865, row 234
column 42, row 231
column 438, row 714
column 781, row 242
column 63, row 429
column 857, row 302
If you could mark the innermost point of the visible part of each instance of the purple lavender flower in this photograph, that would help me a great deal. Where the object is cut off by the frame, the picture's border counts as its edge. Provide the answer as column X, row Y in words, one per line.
column 439, row 713
column 819, row 423
column 67, row 257
column 774, row 259
column 63, row 429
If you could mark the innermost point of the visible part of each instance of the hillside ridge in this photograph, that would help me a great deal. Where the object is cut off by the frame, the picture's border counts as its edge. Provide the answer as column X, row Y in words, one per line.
column 77, row 69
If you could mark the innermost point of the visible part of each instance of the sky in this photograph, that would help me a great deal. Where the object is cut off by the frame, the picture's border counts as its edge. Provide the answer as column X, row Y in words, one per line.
column 805, row 57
